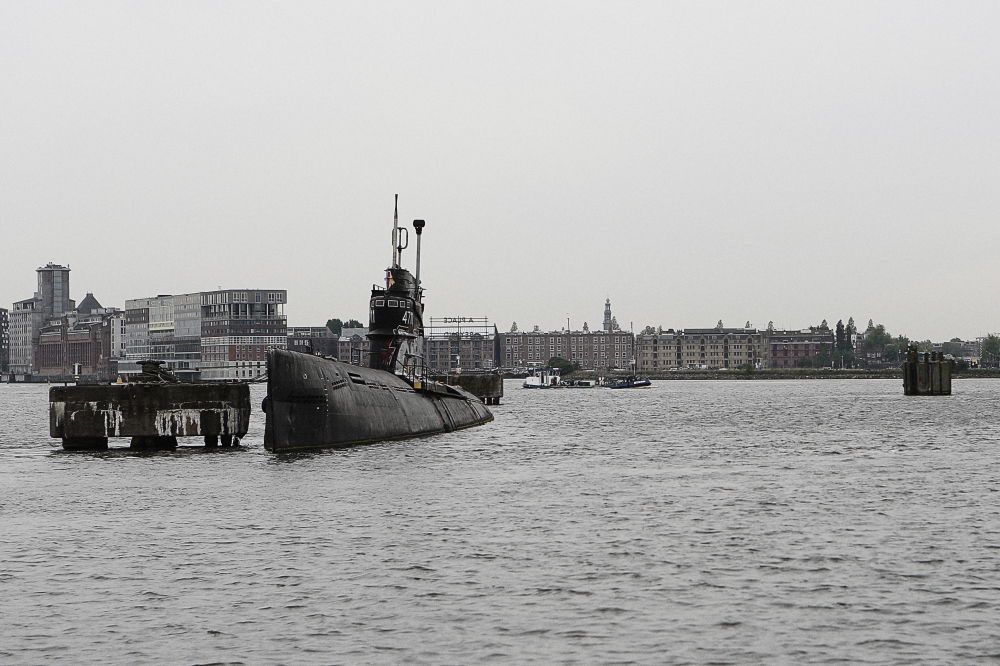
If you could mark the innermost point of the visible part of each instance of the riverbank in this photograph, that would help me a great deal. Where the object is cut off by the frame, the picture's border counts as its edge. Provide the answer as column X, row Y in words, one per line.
column 795, row 373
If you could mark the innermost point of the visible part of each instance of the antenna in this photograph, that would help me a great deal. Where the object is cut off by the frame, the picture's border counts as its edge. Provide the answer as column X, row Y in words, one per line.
column 395, row 234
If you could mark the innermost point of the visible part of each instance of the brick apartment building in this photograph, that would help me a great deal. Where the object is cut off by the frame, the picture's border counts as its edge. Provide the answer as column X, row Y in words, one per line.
column 703, row 348
column 791, row 349
column 592, row 350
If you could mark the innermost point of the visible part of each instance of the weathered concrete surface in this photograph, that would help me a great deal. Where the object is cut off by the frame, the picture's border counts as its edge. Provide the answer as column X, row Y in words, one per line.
column 487, row 387
column 83, row 415
column 926, row 373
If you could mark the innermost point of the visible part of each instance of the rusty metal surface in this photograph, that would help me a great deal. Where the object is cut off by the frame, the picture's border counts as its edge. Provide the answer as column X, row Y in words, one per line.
column 162, row 410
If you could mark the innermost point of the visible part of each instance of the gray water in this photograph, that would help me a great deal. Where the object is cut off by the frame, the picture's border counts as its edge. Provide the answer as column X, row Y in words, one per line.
column 694, row 522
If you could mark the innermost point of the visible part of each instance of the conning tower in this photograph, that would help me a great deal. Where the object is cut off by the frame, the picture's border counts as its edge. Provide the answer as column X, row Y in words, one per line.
column 396, row 322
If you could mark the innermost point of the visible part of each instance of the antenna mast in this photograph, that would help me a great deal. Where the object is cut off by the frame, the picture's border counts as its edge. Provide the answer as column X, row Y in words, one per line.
column 395, row 234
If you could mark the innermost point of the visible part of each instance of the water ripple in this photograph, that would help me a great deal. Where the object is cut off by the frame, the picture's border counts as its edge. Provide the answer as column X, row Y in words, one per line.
column 734, row 522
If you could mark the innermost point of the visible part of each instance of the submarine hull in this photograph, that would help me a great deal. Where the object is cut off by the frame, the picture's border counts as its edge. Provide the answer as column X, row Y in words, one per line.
column 314, row 402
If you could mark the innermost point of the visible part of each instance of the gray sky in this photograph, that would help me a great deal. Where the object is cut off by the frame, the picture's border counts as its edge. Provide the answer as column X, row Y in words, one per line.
column 691, row 161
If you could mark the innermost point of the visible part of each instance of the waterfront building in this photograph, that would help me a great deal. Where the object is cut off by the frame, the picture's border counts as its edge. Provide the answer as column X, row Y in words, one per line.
column 460, row 344
column 187, row 316
column 238, row 326
column 118, row 348
column 318, row 340
column 600, row 350
column 149, row 333
column 25, row 322
column 78, row 345
column 701, row 348
column 4, row 339
column 53, row 290
column 804, row 348
column 51, row 300
column 136, row 331
column 352, row 346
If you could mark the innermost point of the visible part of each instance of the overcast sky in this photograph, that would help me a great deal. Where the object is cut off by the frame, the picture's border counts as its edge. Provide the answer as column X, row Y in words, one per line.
column 785, row 162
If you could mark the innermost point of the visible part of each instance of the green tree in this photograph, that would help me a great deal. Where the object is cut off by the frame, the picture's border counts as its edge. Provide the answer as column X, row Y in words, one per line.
column 841, row 336
column 925, row 346
column 335, row 326
column 586, row 329
column 513, row 327
column 565, row 367
column 719, row 325
column 823, row 326
column 353, row 323
column 770, row 327
column 614, row 324
column 991, row 348
column 896, row 351
column 649, row 330
column 851, row 328
column 823, row 357
column 876, row 337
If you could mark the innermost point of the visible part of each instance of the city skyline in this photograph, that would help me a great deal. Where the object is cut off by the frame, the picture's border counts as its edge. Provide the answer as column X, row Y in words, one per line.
column 609, row 311
column 771, row 162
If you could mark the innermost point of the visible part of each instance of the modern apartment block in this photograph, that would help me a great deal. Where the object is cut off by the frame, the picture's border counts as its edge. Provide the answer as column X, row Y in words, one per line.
column 791, row 349
column 238, row 326
column 702, row 348
column 137, row 329
column 461, row 344
column 600, row 350
column 207, row 335
column 149, row 329
column 4, row 339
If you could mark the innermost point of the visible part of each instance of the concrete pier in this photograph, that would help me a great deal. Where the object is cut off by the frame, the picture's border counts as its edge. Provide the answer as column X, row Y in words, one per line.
column 926, row 373
column 488, row 387
column 152, row 413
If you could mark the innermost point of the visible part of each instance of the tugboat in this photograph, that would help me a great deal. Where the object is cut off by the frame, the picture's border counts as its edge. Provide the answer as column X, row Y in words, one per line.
column 318, row 402
column 542, row 378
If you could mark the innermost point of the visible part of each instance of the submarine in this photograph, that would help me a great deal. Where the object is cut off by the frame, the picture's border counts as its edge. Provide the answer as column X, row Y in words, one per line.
column 318, row 402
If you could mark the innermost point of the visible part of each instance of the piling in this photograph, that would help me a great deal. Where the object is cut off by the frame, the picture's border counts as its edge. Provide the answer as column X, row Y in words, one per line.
column 487, row 386
column 926, row 373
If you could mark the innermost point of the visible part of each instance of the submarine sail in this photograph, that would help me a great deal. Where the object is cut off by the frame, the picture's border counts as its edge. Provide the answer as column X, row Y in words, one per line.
column 318, row 402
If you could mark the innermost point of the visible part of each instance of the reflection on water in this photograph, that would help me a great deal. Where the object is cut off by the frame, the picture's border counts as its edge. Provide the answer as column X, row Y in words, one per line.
column 693, row 522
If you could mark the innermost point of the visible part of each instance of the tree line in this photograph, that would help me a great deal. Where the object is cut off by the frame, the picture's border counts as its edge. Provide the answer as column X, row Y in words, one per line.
column 336, row 326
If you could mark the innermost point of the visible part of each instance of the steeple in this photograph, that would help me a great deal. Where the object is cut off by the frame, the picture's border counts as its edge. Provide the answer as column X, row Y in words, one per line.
column 607, row 315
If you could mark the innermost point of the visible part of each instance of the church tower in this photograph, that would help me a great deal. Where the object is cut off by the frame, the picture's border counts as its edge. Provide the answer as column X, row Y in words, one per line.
column 607, row 315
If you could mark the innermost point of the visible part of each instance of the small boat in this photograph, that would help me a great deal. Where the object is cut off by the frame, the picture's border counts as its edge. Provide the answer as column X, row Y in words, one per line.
column 631, row 382
column 542, row 378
